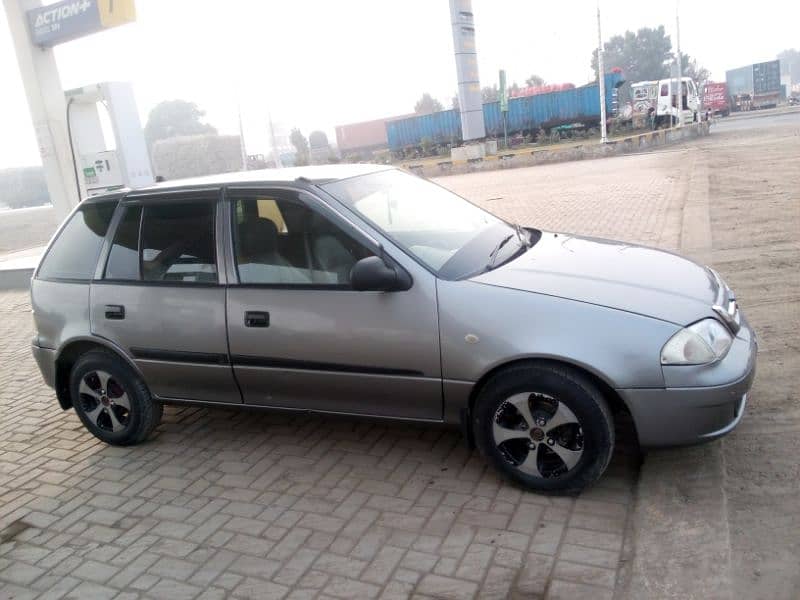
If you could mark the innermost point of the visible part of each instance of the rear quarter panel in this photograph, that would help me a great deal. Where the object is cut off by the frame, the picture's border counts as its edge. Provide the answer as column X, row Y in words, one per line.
column 60, row 311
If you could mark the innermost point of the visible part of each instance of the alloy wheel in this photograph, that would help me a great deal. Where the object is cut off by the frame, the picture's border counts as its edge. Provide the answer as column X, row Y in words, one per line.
column 104, row 401
column 538, row 434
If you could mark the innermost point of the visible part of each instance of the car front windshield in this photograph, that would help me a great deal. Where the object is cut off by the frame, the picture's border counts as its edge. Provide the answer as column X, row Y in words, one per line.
column 453, row 237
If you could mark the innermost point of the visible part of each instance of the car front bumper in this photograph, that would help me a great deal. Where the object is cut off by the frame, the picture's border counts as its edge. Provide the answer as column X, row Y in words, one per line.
column 680, row 416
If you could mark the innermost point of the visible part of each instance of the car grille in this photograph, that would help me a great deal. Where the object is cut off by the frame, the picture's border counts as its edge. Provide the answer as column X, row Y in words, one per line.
column 725, row 304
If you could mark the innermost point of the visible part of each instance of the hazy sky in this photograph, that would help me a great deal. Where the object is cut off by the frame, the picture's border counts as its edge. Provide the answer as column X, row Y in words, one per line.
column 319, row 63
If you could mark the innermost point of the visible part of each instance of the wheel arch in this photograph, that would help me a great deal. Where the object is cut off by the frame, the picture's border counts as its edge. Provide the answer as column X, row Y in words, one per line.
column 614, row 400
column 68, row 355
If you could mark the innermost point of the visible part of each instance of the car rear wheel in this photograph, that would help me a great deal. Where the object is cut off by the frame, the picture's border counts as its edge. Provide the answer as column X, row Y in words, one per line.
column 545, row 426
column 111, row 399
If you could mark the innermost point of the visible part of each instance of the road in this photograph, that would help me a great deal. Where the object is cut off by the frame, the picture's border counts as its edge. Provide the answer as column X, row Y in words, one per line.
column 755, row 221
column 786, row 117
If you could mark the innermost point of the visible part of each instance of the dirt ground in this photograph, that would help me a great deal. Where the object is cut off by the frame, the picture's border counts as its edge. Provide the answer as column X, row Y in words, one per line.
column 755, row 223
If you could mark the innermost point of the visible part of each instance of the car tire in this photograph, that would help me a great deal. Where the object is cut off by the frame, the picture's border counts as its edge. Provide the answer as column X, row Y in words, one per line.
column 111, row 399
column 545, row 426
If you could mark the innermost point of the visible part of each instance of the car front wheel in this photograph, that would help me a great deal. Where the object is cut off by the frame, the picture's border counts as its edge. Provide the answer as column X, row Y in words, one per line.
column 111, row 399
column 545, row 426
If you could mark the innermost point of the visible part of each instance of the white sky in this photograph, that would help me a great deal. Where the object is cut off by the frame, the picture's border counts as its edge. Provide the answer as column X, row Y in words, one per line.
column 320, row 63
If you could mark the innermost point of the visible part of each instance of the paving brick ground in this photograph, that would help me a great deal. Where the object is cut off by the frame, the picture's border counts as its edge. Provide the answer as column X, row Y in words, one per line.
column 254, row 505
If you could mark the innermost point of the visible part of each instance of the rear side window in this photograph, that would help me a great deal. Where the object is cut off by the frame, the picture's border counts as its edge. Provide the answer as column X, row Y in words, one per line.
column 123, row 260
column 178, row 243
column 74, row 253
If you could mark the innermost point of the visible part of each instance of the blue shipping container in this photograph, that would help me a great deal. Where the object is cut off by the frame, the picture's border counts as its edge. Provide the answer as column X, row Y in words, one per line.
column 578, row 105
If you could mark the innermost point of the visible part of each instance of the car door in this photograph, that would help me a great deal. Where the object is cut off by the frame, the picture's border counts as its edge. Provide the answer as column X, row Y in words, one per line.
column 161, row 295
column 301, row 338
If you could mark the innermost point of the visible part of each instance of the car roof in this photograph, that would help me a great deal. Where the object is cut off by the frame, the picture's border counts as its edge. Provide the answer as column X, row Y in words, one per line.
column 317, row 174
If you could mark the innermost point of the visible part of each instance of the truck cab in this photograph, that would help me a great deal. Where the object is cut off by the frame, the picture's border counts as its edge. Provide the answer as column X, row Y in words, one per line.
column 667, row 105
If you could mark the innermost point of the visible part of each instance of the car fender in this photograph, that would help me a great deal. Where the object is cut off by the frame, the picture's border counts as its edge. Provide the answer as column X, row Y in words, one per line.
column 483, row 326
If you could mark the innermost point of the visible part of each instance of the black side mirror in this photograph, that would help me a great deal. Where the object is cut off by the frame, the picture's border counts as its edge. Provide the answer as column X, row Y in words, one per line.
column 372, row 274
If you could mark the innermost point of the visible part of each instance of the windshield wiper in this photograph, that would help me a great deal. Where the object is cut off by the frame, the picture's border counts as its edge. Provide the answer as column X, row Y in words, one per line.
column 496, row 251
column 524, row 239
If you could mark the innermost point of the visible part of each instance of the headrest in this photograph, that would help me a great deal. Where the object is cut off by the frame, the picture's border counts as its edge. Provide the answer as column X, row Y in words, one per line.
column 258, row 236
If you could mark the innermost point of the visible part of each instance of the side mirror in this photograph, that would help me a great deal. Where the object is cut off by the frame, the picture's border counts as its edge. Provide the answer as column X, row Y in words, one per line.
column 372, row 274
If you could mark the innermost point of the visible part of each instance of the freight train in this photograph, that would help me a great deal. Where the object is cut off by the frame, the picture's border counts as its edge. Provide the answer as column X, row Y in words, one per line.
column 526, row 115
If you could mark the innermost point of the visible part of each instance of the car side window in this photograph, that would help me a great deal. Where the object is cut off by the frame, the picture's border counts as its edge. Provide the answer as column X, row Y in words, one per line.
column 280, row 241
column 75, row 251
column 665, row 89
column 123, row 259
column 177, row 243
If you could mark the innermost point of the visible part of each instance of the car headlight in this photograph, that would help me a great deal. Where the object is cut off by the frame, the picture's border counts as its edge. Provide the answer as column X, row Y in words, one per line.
column 704, row 342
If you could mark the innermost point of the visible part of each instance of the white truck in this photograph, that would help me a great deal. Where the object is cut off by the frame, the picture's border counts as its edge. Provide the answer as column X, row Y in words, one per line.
column 657, row 101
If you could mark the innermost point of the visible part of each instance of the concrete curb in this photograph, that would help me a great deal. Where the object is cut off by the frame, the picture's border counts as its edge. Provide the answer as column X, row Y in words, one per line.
column 626, row 145
column 15, row 279
column 680, row 520
column 680, row 527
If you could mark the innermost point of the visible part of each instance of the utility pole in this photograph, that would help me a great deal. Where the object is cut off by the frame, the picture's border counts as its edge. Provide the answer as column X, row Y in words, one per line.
column 275, row 154
column 37, row 66
column 679, row 94
column 601, row 78
column 242, row 147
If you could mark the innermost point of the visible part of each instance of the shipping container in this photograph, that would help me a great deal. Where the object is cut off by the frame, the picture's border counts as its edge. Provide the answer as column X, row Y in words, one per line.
column 767, row 78
column 754, row 86
column 740, row 81
column 525, row 114
column 363, row 136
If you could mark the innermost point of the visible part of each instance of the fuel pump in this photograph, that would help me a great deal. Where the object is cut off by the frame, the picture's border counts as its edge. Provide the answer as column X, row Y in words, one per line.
column 105, row 161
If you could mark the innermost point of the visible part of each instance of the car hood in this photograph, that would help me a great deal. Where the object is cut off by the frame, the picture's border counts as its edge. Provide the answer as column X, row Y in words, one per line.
column 623, row 276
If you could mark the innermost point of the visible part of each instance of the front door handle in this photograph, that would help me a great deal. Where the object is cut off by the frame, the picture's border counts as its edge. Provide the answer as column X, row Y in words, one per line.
column 115, row 311
column 256, row 318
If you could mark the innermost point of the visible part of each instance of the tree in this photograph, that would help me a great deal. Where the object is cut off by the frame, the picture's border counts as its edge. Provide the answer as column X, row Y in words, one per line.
column 645, row 55
column 534, row 81
column 172, row 118
column 490, row 94
column 790, row 64
column 690, row 68
column 318, row 139
column 427, row 104
column 641, row 56
column 454, row 103
column 300, row 144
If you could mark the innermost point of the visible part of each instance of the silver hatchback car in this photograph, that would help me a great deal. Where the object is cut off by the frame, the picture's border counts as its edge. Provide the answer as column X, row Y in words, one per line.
column 365, row 290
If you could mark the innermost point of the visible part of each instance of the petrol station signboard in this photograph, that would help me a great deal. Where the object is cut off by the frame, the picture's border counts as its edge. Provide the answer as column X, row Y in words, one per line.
column 70, row 19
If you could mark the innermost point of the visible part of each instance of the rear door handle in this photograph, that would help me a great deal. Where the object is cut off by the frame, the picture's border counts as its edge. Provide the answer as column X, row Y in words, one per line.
column 256, row 318
column 115, row 311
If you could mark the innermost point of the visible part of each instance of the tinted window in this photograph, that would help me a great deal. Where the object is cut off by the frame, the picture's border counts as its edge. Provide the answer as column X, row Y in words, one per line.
column 74, row 253
column 123, row 260
column 178, row 242
column 281, row 241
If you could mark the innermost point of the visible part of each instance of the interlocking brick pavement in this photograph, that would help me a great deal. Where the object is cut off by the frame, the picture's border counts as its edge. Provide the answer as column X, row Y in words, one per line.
column 223, row 503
